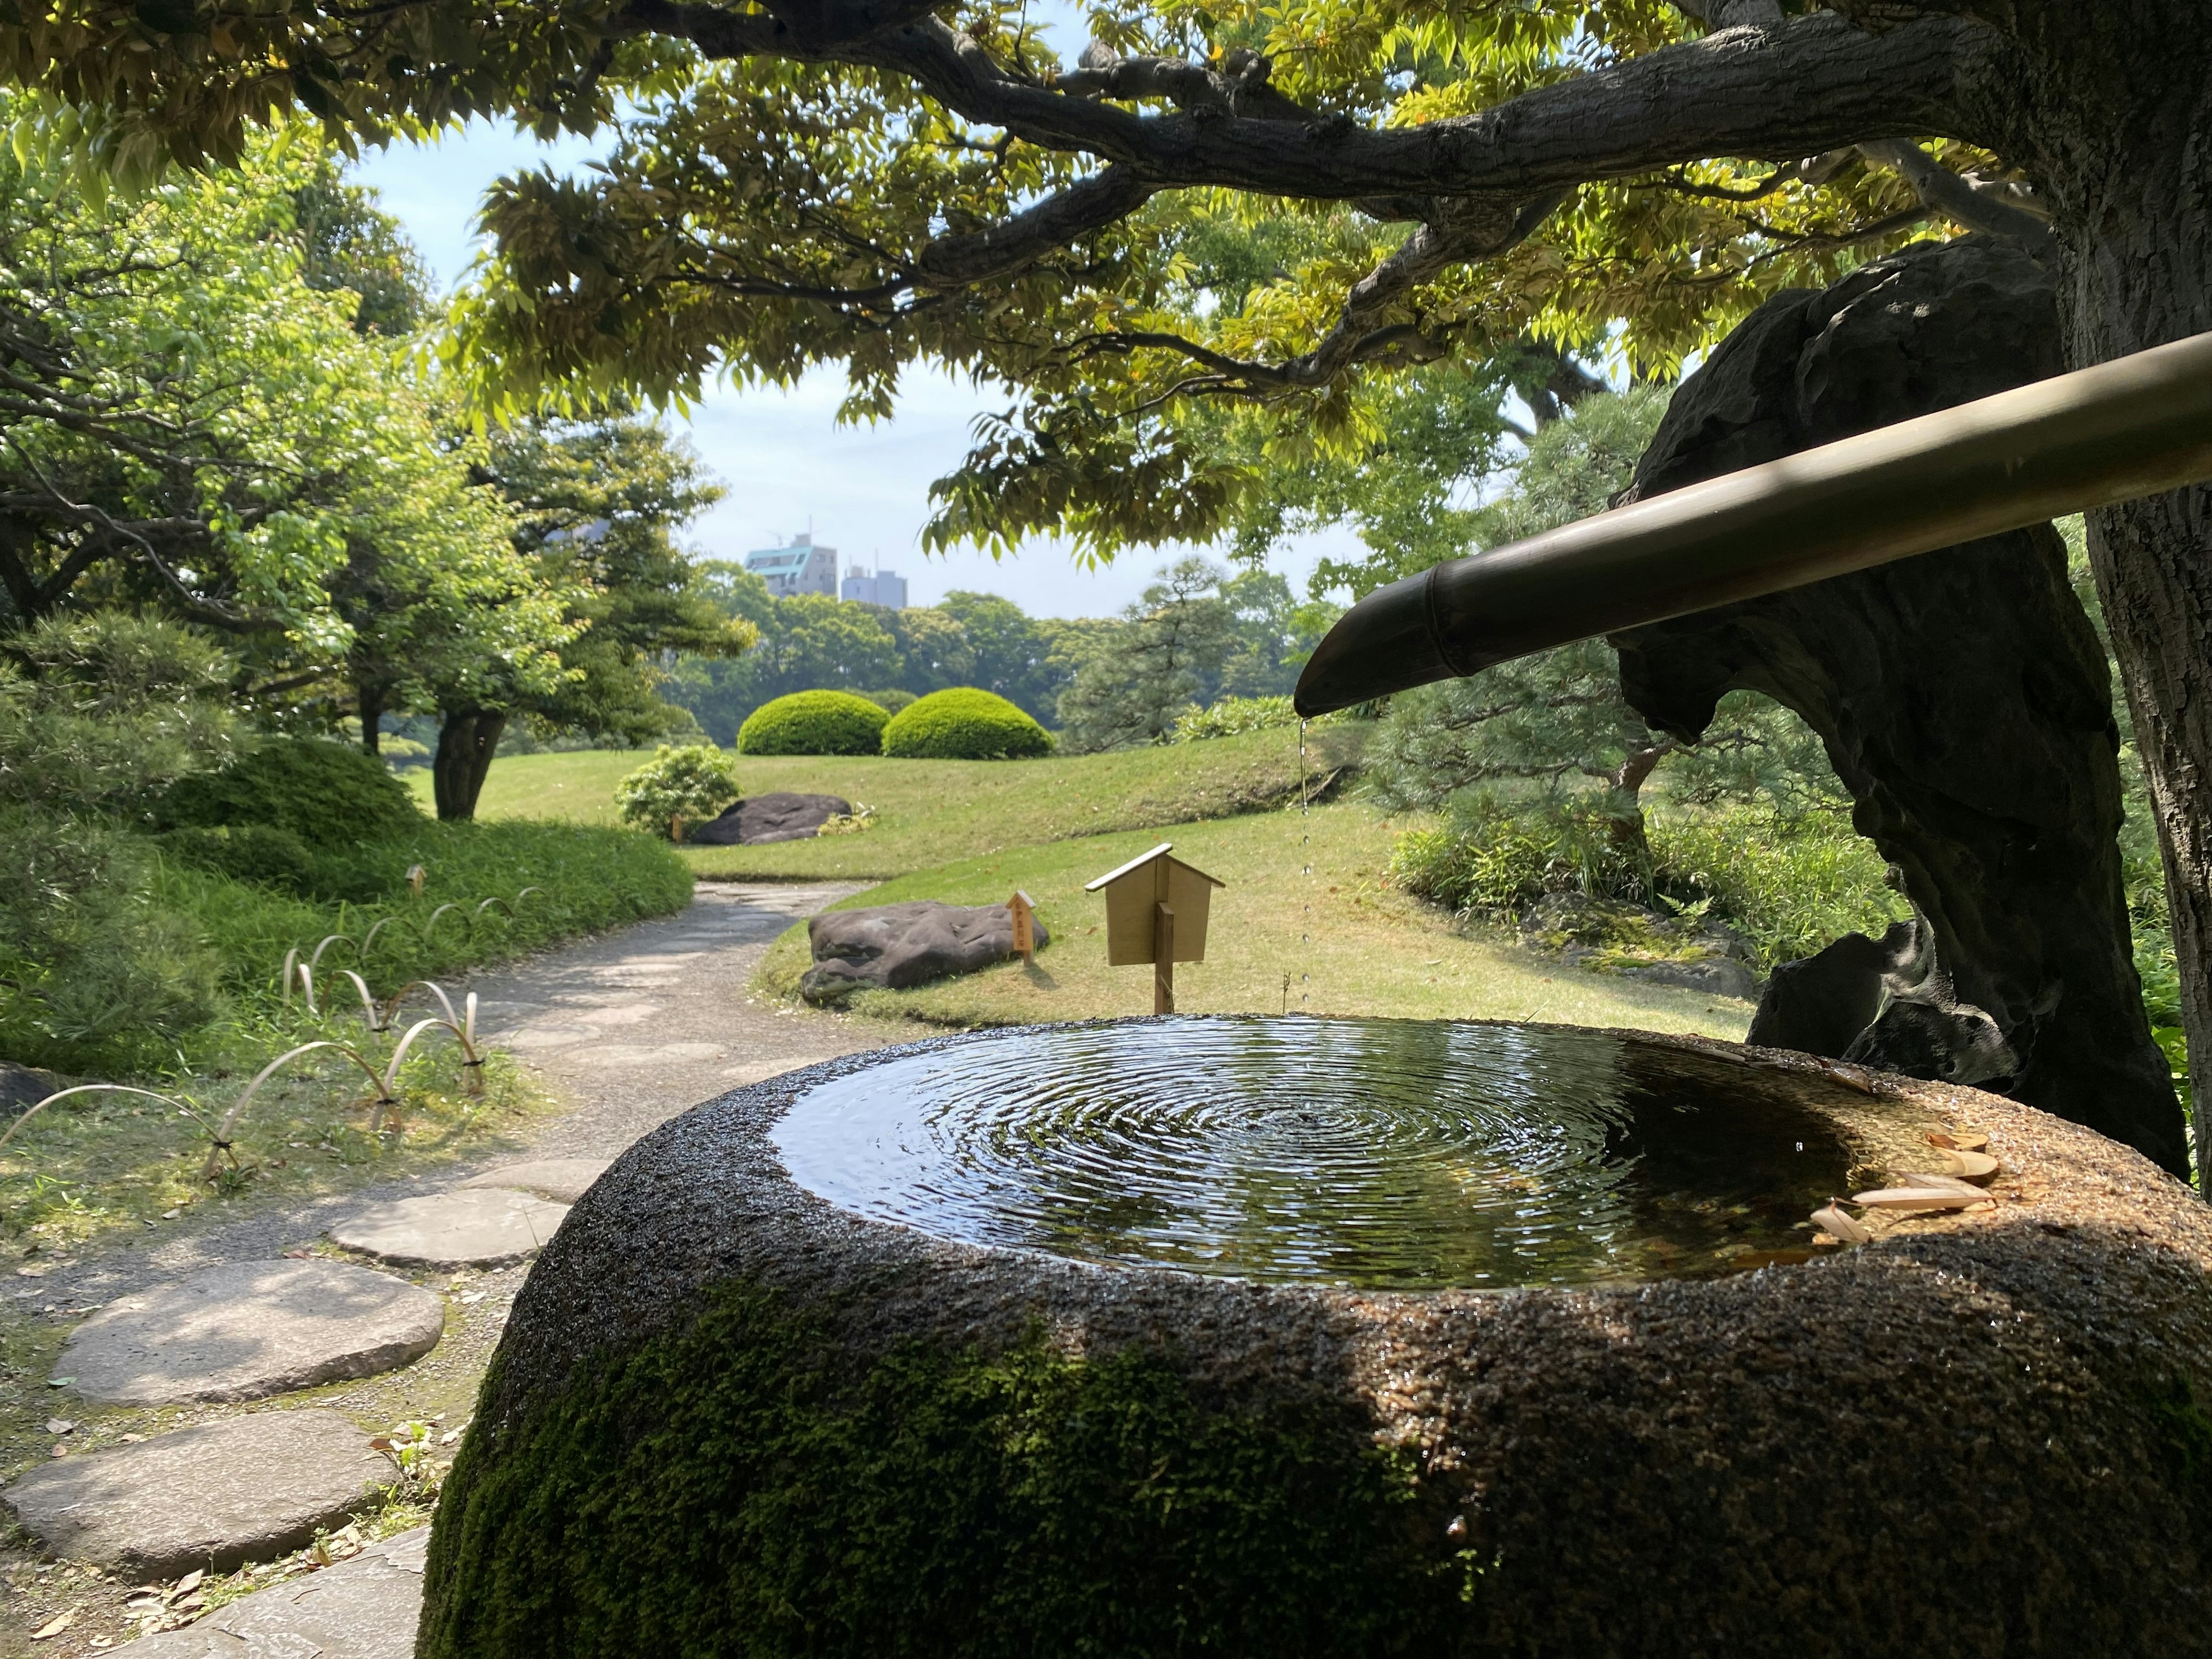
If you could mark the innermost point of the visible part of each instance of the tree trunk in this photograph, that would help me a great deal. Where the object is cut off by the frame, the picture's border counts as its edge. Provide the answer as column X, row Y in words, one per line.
column 2127, row 165
column 370, row 703
column 1962, row 696
column 467, row 740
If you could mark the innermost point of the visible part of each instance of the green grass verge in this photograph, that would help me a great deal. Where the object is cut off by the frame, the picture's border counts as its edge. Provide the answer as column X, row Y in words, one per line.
column 590, row 878
column 1347, row 944
column 928, row 811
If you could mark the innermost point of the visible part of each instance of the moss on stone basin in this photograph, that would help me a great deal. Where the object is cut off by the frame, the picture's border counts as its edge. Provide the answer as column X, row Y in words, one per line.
column 730, row 1418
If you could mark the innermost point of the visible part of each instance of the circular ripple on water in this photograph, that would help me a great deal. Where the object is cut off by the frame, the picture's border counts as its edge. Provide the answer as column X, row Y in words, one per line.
column 1380, row 1153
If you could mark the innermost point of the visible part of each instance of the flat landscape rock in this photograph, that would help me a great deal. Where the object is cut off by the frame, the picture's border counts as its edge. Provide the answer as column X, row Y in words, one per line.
column 248, row 1489
column 487, row 1227
column 250, row 1329
column 899, row 944
column 364, row 1607
column 563, row 1180
column 764, row 818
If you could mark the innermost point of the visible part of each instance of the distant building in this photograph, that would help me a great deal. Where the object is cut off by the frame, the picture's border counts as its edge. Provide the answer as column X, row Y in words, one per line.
column 886, row 588
column 801, row 568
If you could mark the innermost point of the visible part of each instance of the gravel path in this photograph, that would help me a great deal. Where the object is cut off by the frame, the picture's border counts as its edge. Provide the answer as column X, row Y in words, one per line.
column 629, row 1030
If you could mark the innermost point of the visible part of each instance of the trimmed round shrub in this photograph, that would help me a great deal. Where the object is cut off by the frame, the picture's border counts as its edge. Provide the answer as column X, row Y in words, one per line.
column 328, row 794
column 814, row 723
column 964, row 723
column 692, row 782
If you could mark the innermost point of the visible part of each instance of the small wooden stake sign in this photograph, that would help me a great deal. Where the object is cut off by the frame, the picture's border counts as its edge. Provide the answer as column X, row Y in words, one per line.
column 1023, row 908
column 1156, row 913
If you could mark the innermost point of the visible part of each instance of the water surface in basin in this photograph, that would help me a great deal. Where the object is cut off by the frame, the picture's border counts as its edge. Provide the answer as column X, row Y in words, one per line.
column 1384, row 1154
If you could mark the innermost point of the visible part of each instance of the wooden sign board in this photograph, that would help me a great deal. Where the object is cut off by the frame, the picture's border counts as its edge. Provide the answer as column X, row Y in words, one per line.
column 1023, row 908
column 1132, row 892
column 1156, row 911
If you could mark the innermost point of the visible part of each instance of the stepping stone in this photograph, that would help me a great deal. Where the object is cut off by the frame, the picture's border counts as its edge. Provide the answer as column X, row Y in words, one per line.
column 563, row 1180
column 248, row 1489
column 488, row 1227
column 365, row 1608
column 249, row 1330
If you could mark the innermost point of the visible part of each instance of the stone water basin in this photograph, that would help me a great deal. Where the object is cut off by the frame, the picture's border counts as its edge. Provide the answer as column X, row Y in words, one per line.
column 1341, row 1337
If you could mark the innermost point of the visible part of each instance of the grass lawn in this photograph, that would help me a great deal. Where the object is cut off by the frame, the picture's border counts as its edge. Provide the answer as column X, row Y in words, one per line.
column 1348, row 944
column 927, row 811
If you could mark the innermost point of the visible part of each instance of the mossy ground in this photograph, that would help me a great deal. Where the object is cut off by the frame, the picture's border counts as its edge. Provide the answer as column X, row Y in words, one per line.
column 750, row 1485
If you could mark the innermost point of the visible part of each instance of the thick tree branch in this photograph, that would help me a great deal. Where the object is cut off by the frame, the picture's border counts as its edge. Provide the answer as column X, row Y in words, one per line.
column 1104, row 199
column 1957, row 199
column 1773, row 94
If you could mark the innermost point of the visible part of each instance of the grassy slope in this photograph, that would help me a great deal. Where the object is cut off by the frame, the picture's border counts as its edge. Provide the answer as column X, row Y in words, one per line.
column 927, row 811
column 1351, row 945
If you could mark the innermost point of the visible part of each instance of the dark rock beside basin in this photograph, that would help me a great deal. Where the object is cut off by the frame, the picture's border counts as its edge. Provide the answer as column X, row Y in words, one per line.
column 894, row 946
column 728, row 1417
column 759, row 819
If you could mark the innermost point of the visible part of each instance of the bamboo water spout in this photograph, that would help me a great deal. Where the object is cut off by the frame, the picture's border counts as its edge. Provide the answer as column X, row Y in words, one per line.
column 2138, row 425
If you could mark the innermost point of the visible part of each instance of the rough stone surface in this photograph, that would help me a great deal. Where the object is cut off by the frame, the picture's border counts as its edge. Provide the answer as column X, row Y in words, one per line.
column 764, row 818
column 1990, row 1424
column 901, row 944
column 485, row 1228
column 250, row 1329
column 1963, row 695
column 23, row 1087
column 561, row 1180
column 246, row 1489
column 364, row 1607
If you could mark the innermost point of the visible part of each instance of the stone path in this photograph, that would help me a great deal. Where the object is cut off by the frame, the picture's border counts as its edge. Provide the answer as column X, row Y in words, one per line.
column 632, row 1029
column 362, row 1608
column 244, row 1489
column 249, row 1330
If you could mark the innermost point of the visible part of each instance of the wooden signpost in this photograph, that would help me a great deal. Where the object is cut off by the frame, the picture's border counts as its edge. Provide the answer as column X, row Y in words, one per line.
column 1155, row 910
column 1023, row 908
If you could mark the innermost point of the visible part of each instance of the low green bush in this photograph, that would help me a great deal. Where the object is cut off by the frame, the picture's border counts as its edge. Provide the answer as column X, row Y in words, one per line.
column 964, row 723
column 1791, row 883
column 588, row 878
column 892, row 702
column 258, row 853
column 814, row 723
column 328, row 794
column 96, row 975
column 692, row 783
column 1228, row 717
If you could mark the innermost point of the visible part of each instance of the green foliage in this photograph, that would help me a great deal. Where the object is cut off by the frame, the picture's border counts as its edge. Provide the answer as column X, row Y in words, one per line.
column 892, row 702
column 326, row 793
column 892, row 657
column 96, row 974
column 260, row 854
column 815, row 723
column 694, row 782
column 750, row 1485
column 590, row 878
column 1156, row 665
column 1791, row 883
column 99, row 712
column 1225, row 717
column 597, row 504
column 963, row 723
column 1556, row 723
column 196, row 425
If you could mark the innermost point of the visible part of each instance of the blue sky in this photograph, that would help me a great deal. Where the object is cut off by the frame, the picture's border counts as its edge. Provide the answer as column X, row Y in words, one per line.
column 864, row 490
